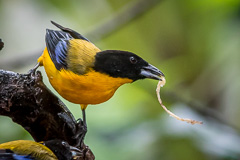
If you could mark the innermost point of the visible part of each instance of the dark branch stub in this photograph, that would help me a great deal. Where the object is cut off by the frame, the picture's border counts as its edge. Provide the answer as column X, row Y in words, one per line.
column 1, row 44
column 28, row 102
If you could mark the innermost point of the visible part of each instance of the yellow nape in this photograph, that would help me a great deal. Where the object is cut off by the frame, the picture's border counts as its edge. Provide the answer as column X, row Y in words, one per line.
column 26, row 147
column 89, row 88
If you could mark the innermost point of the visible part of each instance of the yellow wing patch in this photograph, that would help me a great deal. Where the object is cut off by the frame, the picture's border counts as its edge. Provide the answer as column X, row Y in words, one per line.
column 81, row 55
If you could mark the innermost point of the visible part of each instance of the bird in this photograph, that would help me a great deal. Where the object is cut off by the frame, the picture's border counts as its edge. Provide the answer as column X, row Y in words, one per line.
column 46, row 150
column 83, row 74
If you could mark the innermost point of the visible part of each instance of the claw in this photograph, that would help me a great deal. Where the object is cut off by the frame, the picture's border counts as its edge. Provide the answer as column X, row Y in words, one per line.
column 80, row 133
column 33, row 70
column 79, row 120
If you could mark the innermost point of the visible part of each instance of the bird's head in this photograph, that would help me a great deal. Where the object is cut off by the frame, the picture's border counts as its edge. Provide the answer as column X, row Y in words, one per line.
column 62, row 149
column 125, row 64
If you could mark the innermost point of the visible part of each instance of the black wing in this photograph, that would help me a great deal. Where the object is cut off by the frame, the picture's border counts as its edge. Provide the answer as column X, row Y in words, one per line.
column 57, row 43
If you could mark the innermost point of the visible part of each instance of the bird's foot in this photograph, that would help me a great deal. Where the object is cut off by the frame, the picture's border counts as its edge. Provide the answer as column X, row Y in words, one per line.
column 79, row 120
column 33, row 70
column 80, row 133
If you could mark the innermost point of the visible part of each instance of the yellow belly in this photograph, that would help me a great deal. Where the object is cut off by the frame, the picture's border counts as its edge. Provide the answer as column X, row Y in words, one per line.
column 90, row 88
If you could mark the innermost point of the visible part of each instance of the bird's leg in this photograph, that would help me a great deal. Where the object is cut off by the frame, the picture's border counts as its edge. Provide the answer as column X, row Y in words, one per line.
column 82, row 127
column 33, row 70
column 83, row 107
column 84, row 118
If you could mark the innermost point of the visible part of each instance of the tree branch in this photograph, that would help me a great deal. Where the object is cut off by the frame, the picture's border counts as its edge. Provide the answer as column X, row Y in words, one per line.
column 28, row 102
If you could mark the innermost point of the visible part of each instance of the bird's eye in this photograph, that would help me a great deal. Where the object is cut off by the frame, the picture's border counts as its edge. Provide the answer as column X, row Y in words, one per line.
column 133, row 60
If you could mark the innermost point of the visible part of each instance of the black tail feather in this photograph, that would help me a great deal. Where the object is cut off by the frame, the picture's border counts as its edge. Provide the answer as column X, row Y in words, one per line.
column 73, row 33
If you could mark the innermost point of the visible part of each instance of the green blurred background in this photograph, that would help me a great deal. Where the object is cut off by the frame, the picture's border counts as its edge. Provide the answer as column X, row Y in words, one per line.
column 196, row 43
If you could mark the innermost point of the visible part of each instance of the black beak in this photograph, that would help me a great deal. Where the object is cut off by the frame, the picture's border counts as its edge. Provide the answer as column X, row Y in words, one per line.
column 151, row 72
column 75, row 151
